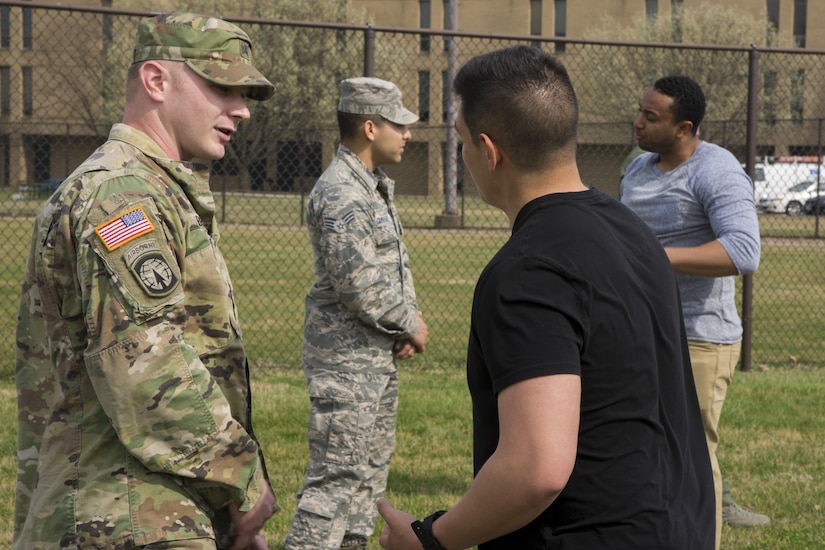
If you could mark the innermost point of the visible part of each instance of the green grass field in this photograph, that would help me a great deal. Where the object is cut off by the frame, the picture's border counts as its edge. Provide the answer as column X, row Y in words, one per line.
column 772, row 451
column 271, row 269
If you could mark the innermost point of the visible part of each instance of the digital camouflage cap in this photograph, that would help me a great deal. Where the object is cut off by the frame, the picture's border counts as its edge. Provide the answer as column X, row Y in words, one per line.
column 217, row 50
column 373, row 96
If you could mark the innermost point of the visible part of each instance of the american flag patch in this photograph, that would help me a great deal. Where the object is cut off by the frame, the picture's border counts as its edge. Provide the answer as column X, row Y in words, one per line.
column 124, row 228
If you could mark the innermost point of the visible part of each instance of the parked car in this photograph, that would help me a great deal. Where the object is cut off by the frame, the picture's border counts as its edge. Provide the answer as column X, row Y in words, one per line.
column 792, row 200
column 777, row 176
column 815, row 205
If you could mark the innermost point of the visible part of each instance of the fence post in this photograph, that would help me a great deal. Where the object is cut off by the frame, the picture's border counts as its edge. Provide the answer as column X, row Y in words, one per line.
column 750, row 165
column 369, row 51
column 819, row 176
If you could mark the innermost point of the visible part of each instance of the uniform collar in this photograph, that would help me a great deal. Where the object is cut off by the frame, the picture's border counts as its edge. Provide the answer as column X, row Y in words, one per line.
column 374, row 180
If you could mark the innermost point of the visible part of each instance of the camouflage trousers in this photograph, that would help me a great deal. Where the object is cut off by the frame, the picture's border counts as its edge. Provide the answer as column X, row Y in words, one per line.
column 351, row 441
column 190, row 544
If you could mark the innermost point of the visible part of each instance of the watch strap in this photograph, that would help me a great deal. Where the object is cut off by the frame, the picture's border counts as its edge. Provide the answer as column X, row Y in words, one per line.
column 424, row 531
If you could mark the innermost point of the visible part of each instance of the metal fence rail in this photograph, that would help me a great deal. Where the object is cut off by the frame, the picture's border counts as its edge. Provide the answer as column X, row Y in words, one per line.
column 59, row 96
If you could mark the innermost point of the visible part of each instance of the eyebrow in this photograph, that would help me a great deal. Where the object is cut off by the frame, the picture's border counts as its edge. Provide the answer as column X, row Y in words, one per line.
column 648, row 111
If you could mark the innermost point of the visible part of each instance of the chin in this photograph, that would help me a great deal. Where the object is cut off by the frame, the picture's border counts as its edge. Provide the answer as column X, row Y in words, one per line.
column 214, row 155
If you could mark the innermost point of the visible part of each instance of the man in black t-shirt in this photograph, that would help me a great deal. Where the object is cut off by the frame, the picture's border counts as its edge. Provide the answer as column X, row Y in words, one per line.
column 587, row 432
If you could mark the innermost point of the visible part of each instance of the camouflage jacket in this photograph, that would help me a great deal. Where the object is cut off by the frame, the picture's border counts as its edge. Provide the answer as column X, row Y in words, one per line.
column 133, row 391
column 363, row 298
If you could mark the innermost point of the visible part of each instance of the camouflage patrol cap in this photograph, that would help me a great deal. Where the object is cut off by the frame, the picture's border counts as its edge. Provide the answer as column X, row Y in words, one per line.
column 373, row 96
column 217, row 50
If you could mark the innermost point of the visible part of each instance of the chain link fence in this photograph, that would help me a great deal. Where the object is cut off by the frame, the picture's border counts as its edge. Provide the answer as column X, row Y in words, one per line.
column 60, row 94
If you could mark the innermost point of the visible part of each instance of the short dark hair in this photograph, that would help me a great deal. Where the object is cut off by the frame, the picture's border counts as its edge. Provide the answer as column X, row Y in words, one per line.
column 523, row 99
column 350, row 123
column 688, row 99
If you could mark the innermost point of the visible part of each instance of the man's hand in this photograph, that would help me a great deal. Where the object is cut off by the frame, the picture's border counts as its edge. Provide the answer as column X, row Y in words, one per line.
column 419, row 341
column 398, row 533
column 249, row 524
column 404, row 349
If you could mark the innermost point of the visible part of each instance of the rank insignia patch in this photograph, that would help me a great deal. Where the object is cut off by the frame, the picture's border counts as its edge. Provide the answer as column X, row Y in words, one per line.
column 338, row 225
column 124, row 228
column 154, row 274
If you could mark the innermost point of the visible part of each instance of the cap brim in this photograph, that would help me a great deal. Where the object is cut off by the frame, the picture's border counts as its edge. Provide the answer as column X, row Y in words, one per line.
column 405, row 118
column 234, row 74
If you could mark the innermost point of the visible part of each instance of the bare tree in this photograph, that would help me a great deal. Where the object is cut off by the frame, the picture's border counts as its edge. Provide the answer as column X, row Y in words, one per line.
column 305, row 64
column 613, row 79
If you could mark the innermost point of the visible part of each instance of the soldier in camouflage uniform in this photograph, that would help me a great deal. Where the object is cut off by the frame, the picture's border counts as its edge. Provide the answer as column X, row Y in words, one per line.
column 133, row 388
column 361, row 315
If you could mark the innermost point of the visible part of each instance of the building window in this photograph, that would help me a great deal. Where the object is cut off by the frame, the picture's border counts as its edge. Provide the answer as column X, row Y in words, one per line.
column 769, row 91
column 108, row 22
column 535, row 17
column 677, row 9
column 535, row 20
column 773, row 13
column 42, row 153
column 27, row 28
column 5, row 26
column 448, row 23
column 651, row 9
column 446, row 90
column 5, row 91
column 803, row 150
column 28, row 101
column 424, row 95
column 560, row 28
column 773, row 22
column 798, row 96
column 425, row 22
column 800, row 20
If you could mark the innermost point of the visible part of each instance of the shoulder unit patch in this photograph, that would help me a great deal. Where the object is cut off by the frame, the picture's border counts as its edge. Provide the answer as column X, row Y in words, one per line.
column 154, row 274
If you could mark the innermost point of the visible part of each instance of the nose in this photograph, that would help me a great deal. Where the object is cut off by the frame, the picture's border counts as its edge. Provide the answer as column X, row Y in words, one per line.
column 242, row 111
column 238, row 107
column 638, row 121
column 407, row 134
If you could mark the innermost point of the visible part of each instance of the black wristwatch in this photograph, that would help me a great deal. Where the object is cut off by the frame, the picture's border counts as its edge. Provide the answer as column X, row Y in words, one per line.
column 424, row 531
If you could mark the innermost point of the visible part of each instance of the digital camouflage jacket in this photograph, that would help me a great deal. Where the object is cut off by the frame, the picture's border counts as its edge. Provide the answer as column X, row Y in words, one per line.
column 134, row 420
column 363, row 299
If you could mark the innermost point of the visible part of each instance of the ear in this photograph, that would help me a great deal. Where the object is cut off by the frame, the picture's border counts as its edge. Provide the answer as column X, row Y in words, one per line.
column 685, row 129
column 369, row 129
column 155, row 78
column 492, row 151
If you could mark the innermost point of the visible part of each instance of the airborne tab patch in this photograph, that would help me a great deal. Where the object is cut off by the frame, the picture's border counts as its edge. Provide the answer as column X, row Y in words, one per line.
column 124, row 228
column 338, row 225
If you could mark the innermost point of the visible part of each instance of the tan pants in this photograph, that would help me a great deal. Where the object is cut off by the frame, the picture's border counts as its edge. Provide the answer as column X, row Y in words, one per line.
column 713, row 368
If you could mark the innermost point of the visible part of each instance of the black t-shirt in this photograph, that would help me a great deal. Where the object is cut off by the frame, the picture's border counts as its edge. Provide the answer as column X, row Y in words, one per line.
column 584, row 287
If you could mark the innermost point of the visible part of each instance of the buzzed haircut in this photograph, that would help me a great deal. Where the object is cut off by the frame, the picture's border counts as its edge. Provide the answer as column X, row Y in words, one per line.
column 522, row 98
column 350, row 123
column 688, row 99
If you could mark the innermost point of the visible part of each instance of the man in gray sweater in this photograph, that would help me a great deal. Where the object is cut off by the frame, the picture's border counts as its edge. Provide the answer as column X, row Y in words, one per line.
column 699, row 202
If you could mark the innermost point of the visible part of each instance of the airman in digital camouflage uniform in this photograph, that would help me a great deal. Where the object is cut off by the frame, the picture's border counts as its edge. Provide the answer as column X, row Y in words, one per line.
column 361, row 315
column 133, row 388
